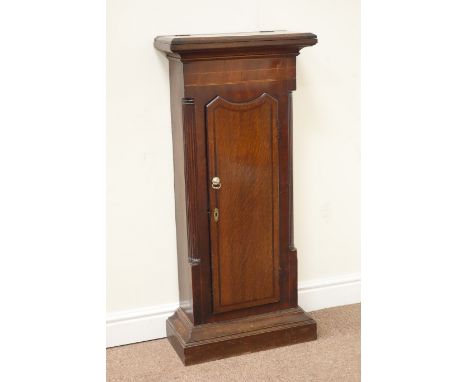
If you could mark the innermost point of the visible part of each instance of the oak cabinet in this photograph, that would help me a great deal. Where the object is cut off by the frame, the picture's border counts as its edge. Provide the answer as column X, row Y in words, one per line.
column 231, row 111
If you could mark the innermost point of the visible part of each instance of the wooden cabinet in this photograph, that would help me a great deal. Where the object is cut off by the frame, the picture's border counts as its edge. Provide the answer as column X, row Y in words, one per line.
column 231, row 109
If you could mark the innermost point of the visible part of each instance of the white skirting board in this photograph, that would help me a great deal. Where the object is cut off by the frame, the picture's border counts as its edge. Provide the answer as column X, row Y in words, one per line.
column 150, row 323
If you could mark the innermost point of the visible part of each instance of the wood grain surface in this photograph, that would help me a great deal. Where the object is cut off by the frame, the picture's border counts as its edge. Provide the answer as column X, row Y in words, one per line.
column 243, row 152
column 231, row 109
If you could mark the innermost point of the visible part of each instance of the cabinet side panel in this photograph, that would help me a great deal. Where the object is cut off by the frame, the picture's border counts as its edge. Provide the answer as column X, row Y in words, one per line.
column 292, row 254
column 184, row 268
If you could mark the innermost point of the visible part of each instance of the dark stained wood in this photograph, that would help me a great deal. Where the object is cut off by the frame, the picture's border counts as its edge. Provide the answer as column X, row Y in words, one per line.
column 232, row 118
column 200, row 343
column 228, row 72
column 250, row 43
column 243, row 152
column 180, row 189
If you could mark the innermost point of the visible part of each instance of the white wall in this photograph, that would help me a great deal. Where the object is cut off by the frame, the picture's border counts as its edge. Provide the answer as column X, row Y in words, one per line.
column 141, row 224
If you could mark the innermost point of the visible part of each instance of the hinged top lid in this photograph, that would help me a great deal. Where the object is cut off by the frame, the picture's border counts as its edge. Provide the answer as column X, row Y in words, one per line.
column 234, row 41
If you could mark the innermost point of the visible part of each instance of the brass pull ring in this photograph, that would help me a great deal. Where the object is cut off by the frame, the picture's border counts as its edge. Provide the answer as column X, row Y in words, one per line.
column 216, row 183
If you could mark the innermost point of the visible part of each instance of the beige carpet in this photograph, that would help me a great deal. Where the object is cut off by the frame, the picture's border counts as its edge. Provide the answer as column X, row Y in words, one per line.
column 334, row 357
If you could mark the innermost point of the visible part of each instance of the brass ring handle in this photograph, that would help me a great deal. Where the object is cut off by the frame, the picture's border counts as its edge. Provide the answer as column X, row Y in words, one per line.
column 216, row 183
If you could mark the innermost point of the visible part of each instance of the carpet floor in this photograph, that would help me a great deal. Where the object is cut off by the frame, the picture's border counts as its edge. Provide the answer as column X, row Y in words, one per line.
column 333, row 357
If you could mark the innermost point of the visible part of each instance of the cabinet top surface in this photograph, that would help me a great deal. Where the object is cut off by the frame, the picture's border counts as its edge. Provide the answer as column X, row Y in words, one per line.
column 190, row 42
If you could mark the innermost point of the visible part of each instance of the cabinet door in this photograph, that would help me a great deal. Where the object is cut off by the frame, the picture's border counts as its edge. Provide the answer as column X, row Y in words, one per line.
column 244, row 206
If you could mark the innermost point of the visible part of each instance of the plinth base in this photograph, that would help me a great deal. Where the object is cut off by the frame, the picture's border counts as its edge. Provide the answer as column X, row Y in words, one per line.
column 200, row 343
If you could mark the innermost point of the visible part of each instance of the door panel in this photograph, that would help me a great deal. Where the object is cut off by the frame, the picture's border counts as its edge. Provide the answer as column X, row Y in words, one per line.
column 243, row 154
